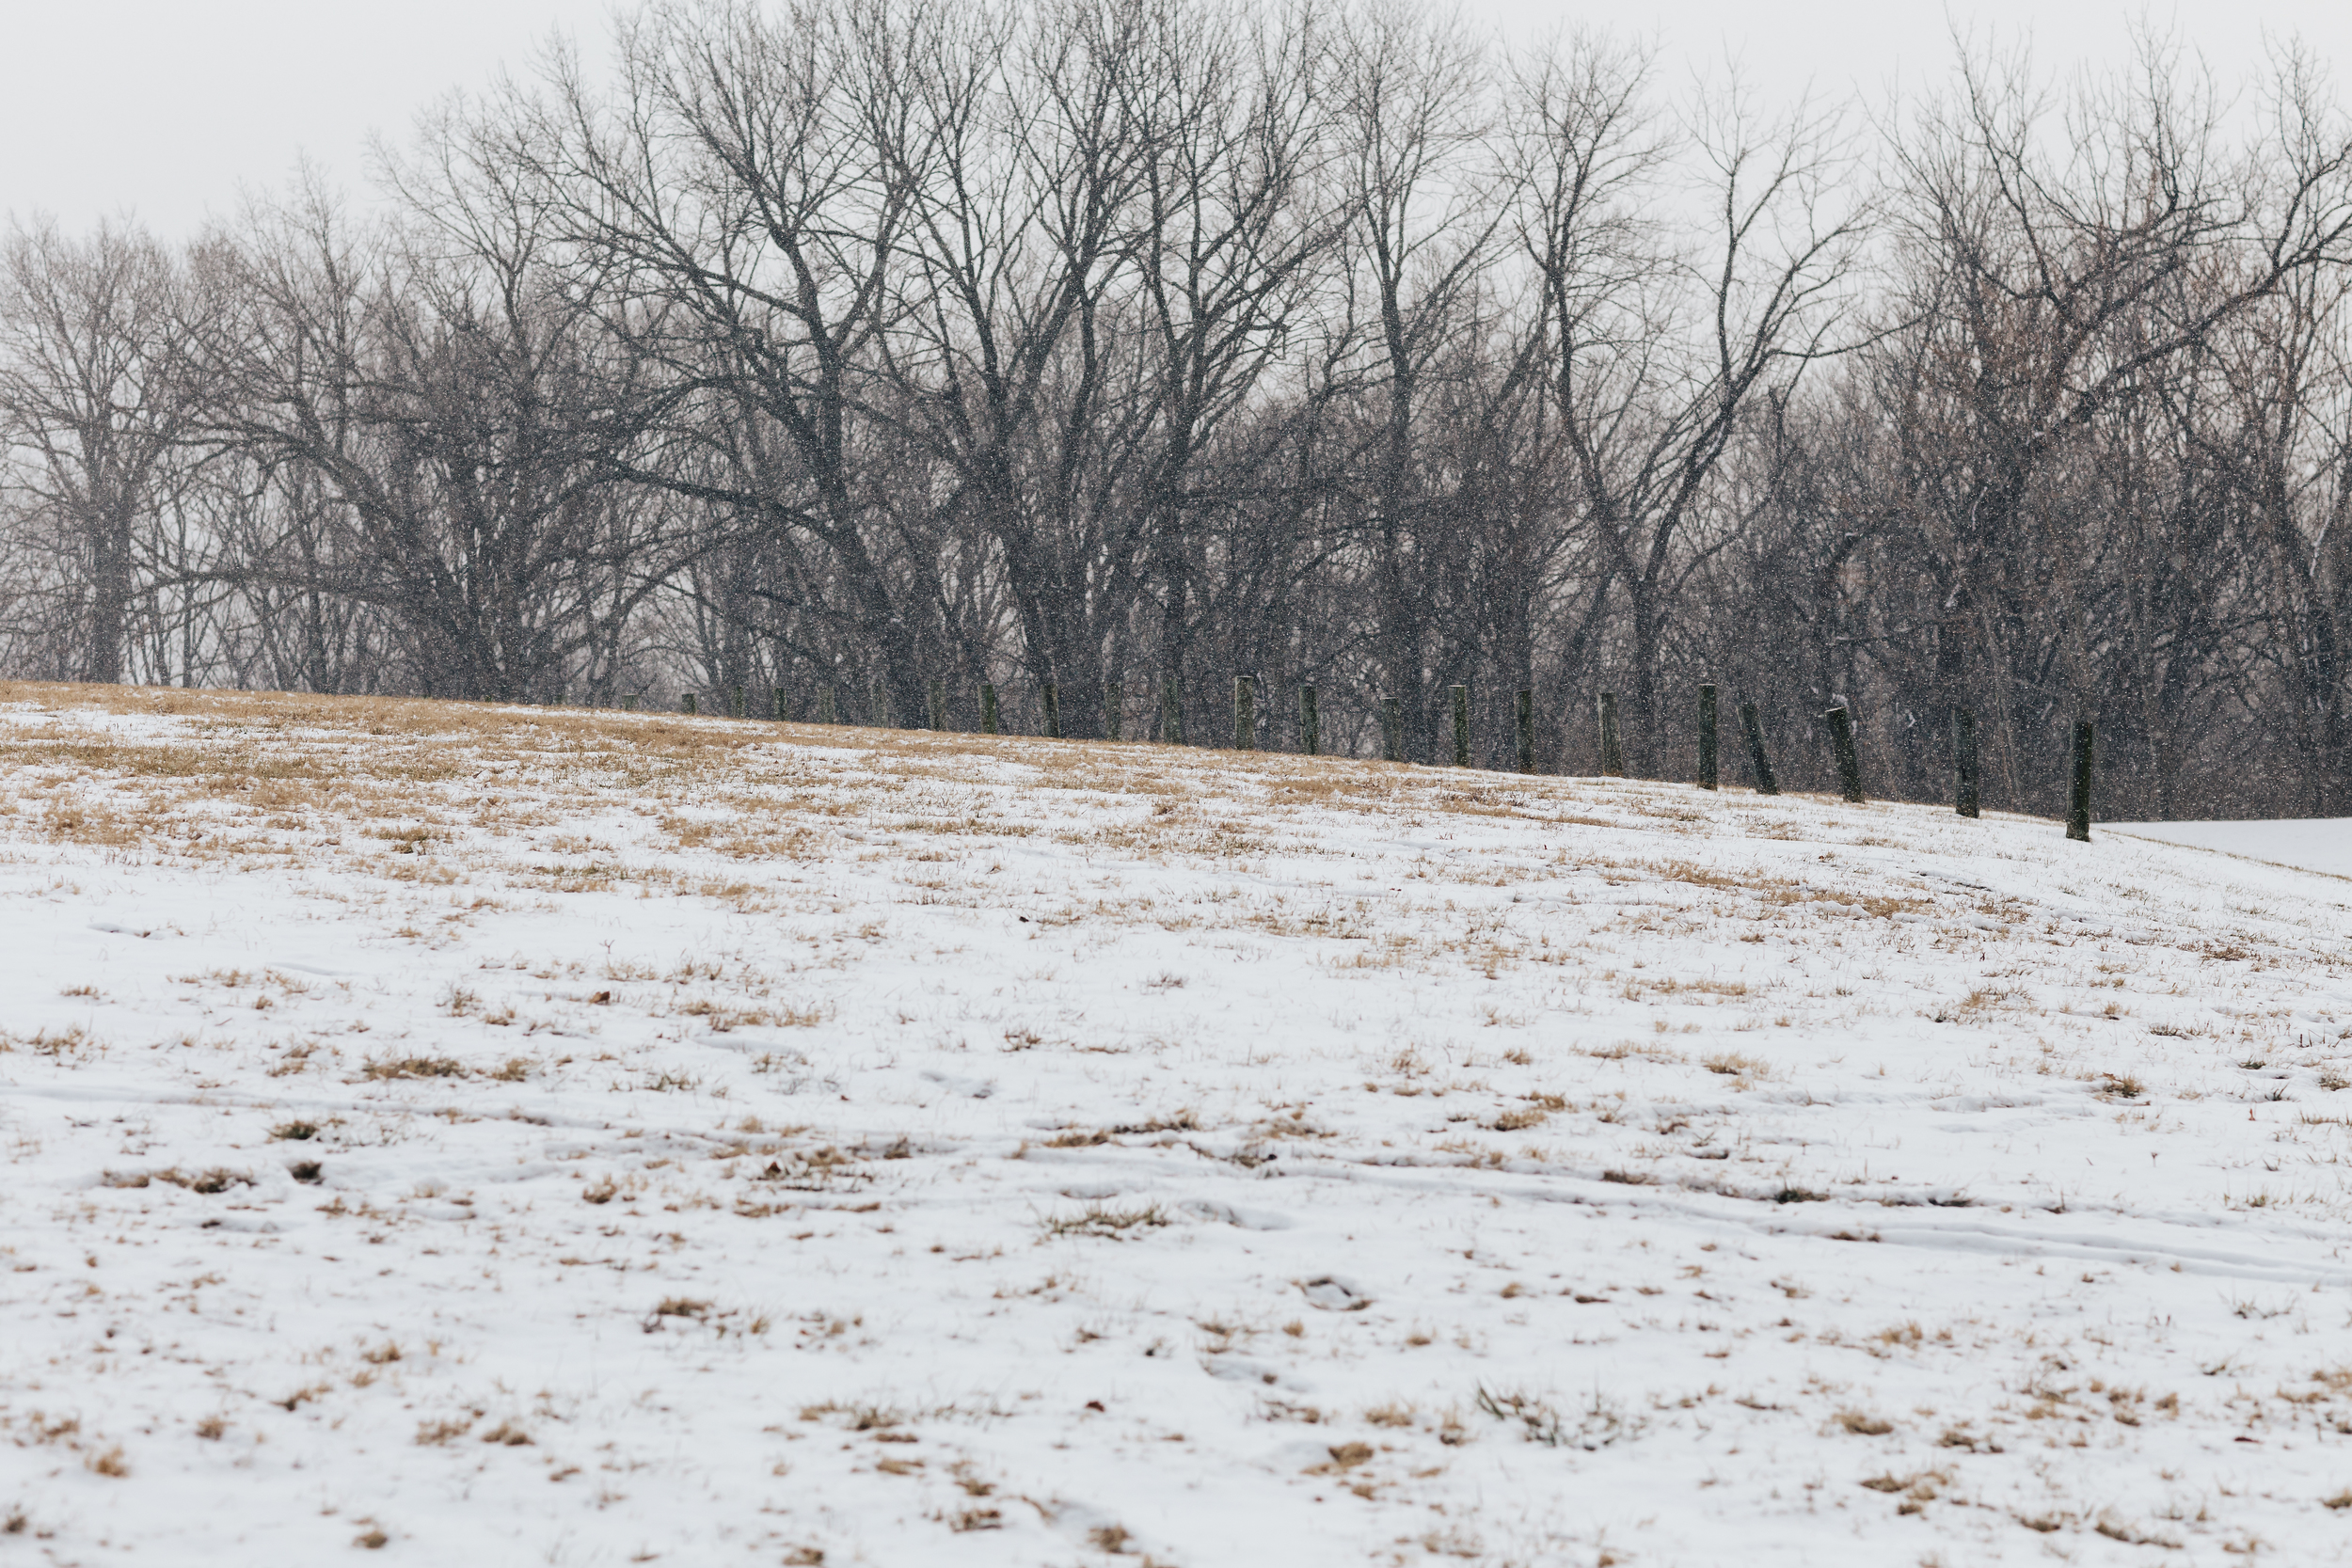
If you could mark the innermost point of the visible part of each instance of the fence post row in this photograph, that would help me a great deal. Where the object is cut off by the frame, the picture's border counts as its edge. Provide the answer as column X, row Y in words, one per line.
column 1966, row 772
column 1841, row 742
column 1611, row 753
column 2078, row 798
column 1707, row 737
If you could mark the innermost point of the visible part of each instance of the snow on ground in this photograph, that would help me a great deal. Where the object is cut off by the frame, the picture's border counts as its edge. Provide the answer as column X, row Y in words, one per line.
column 2313, row 844
column 513, row 1136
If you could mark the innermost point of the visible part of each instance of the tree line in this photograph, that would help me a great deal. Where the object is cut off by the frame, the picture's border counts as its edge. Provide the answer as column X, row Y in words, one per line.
column 847, row 346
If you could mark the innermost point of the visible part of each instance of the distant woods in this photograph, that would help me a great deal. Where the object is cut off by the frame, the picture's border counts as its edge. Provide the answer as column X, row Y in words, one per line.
column 840, row 348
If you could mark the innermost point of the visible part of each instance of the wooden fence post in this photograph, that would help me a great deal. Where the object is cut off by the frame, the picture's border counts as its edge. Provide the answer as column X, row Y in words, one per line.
column 2078, row 798
column 629, row 704
column 1309, row 722
column 1707, row 737
column 827, row 706
column 739, row 702
column 1391, row 730
column 1611, row 753
column 988, row 708
column 1114, row 709
column 1964, row 760
column 1171, row 710
column 777, row 700
column 1848, row 764
column 1765, row 782
column 1527, row 730
column 1245, row 714
column 1461, row 725
column 939, row 705
column 1052, row 694
column 686, row 703
column 878, row 710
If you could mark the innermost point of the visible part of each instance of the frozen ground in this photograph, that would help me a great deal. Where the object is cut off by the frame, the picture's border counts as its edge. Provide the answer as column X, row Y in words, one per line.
column 2323, row 844
column 502, row 1136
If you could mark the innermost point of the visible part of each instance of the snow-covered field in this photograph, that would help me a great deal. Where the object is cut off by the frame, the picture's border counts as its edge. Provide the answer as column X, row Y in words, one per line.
column 512, row 1136
column 2323, row 844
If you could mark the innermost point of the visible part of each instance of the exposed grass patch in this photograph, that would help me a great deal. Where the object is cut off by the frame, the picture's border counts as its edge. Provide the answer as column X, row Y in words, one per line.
column 1097, row 1219
column 412, row 1066
column 208, row 1182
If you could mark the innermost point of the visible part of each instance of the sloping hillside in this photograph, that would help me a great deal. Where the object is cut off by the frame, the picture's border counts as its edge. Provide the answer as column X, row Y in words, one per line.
column 523, row 1136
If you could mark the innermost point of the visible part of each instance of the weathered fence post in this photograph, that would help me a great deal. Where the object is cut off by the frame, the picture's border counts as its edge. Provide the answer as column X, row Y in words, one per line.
column 629, row 704
column 1841, row 743
column 783, row 705
column 878, row 709
column 2078, row 798
column 827, row 708
column 1114, row 709
column 1245, row 714
column 1765, row 782
column 686, row 703
column 1052, row 694
column 988, row 708
column 1171, row 710
column 1309, row 722
column 1707, row 737
column 1527, row 731
column 939, row 705
column 1964, row 760
column 1391, row 730
column 1461, row 725
column 739, row 702
column 1611, row 753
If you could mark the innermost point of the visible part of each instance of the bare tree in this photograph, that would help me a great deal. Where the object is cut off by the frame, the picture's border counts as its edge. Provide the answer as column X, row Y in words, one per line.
column 2047, row 270
column 1424, row 208
column 1653, row 366
column 1237, row 219
column 95, row 407
column 738, row 203
column 465, row 416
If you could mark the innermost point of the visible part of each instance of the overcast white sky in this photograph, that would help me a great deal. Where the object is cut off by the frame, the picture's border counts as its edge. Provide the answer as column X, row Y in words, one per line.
column 165, row 108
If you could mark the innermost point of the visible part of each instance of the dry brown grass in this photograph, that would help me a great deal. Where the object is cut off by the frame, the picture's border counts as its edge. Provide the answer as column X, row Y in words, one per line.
column 207, row 1182
column 425, row 797
column 413, row 1067
column 386, row 775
